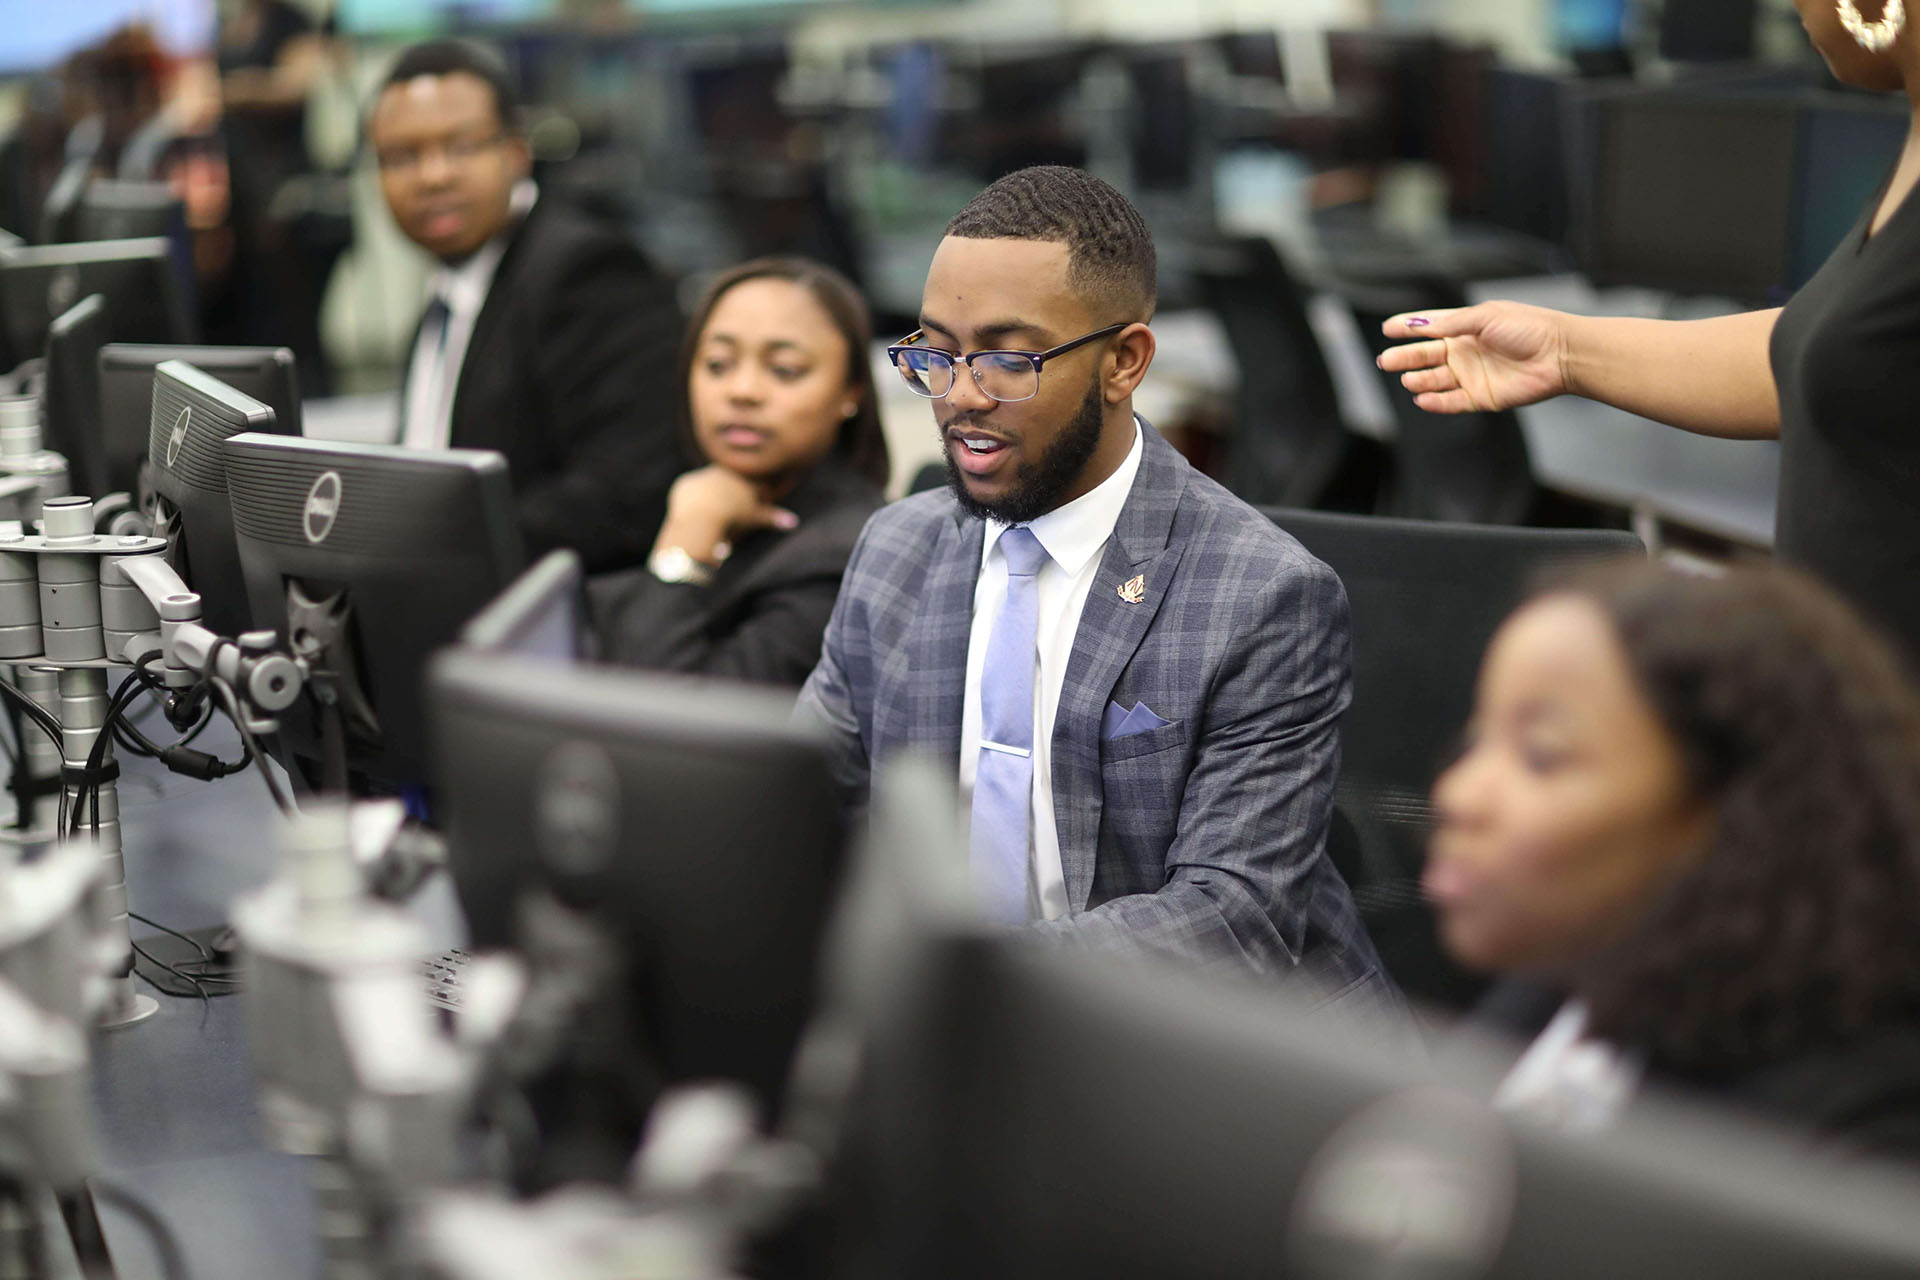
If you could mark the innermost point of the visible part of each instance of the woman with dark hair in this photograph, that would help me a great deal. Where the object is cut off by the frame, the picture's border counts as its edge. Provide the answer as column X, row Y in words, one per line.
column 1689, row 811
column 780, row 410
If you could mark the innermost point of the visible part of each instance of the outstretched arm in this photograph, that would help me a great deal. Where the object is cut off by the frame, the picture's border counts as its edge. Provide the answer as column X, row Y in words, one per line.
column 1712, row 377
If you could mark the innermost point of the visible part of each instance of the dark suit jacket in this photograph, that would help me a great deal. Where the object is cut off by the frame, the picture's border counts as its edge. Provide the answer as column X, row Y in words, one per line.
column 571, row 374
column 1202, row 837
column 762, row 616
column 1863, row 1097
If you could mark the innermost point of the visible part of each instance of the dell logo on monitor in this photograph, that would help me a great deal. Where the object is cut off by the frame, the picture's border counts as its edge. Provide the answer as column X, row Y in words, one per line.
column 179, row 436
column 323, row 506
column 577, row 817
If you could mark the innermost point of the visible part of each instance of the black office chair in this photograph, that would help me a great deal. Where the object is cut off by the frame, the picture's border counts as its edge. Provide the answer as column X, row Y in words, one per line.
column 1470, row 468
column 1289, row 446
column 1425, row 598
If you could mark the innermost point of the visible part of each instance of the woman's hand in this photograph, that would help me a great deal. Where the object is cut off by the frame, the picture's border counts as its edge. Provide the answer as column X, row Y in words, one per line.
column 1498, row 355
column 709, row 508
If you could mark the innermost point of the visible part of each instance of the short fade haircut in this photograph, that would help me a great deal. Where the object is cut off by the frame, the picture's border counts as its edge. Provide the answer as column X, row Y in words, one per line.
column 457, row 57
column 1110, row 258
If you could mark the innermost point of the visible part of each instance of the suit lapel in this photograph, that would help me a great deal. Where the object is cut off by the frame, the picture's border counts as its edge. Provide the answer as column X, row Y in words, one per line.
column 936, row 648
column 471, row 433
column 1110, row 632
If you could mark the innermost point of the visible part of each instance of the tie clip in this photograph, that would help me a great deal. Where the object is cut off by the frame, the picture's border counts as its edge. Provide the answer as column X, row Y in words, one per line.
column 1000, row 746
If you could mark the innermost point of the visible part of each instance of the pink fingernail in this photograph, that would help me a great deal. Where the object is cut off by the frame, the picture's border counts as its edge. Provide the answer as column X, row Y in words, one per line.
column 1418, row 322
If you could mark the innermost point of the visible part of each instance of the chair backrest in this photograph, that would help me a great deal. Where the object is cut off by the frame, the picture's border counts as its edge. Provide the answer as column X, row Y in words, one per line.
column 1469, row 467
column 1426, row 598
column 1289, row 439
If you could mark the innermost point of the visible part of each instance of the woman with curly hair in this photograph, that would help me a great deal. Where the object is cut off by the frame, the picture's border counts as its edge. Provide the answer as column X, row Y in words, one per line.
column 1688, row 811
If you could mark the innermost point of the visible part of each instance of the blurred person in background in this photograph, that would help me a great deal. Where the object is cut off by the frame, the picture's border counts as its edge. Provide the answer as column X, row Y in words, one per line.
column 780, row 409
column 1823, row 376
column 271, row 55
column 547, row 337
column 1686, row 822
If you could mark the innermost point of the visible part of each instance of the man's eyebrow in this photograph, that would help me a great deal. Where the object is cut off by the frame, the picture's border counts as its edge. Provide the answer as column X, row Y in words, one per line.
column 987, row 335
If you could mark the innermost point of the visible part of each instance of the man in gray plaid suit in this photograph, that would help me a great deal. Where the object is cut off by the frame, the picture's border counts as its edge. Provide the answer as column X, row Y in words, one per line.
column 1139, row 678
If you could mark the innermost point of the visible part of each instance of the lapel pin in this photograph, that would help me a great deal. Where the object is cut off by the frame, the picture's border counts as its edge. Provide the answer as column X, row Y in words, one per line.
column 1134, row 589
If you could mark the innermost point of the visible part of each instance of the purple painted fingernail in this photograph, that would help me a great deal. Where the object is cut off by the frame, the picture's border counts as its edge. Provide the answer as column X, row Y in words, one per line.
column 1418, row 322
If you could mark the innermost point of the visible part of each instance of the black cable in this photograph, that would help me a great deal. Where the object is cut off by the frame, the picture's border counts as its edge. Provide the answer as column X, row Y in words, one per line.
column 231, row 702
column 173, row 1264
column 91, row 779
column 195, row 943
column 193, row 980
column 40, row 715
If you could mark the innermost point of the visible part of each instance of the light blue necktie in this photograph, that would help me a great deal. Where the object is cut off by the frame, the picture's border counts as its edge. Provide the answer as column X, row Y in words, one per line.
column 1003, row 780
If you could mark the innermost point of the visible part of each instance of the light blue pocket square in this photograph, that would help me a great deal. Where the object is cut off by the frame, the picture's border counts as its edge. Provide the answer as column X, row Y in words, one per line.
column 1122, row 723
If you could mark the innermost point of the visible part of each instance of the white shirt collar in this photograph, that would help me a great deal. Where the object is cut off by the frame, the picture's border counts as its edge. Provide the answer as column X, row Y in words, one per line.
column 1073, row 534
column 464, row 287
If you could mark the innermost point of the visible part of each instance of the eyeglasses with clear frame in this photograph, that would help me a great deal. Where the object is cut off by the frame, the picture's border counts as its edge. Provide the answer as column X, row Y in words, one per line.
column 1006, row 376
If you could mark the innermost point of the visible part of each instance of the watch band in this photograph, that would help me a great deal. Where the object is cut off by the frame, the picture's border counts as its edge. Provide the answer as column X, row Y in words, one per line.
column 677, row 565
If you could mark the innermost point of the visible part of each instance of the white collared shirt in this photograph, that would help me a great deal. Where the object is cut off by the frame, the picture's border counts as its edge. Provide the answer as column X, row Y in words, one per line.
column 1568, row 1079
column 427, row 420
column 1074, row 536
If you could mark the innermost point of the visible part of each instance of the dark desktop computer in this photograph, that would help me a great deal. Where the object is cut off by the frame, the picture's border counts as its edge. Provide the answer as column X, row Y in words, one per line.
column 1690, row 193
column 70, row 420
column 1709, row 30
column 1054, row 1113
column 126, row 395
column 1847, row 148
column 685, row 826
column 1526, row 185
column 365, row 559
column 137, row 278
column 543, row 614
column 186, row 486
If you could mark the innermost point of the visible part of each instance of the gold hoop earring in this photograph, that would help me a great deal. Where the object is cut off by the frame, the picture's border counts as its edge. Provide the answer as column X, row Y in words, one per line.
column 1874, row 37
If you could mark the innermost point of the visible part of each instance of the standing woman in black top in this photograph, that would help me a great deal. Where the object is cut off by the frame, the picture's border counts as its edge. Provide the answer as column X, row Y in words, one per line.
column 779, row 407
column 1832, row 376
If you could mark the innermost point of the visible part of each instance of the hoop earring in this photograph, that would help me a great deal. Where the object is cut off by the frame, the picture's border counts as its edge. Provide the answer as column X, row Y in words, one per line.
column 1874, row 37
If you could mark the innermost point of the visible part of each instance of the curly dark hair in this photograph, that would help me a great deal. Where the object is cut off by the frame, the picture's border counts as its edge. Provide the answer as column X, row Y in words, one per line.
column 1110, row 255
column 1799, row 928
column 861, row 444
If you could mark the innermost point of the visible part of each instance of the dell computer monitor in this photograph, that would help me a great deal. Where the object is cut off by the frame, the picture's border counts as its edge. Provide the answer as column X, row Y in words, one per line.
column 1692, row 194
column 126, row 395
column 186, row 485
column 113, row 209
column 366, row 558
column 137, row 278
column 690, row 821
column 1076, row 1115
column 542, row 615
column 1848, row 146
column 71, row 415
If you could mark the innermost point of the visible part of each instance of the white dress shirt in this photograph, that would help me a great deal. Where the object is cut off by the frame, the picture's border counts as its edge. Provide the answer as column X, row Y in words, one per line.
column 1074, row 536
column 1569, row 1080
column 426, row 420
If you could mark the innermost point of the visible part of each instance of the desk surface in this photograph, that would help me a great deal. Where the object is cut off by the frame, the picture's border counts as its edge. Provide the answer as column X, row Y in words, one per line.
column 1723, row 487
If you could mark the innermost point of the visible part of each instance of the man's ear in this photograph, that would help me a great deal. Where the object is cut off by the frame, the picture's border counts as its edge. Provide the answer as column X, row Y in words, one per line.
column 1132, row 353
column 521, row 153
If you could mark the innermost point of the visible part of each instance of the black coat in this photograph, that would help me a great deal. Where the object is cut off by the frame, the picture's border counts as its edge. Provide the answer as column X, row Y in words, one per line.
column 763, row 615
column 1863, row 1096
column 571, row 373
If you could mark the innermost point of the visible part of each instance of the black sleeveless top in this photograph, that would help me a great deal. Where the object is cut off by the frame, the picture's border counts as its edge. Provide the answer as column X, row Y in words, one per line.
column 1846, row 358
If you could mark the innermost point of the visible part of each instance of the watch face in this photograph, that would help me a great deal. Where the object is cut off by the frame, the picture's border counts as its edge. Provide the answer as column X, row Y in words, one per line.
column 675, row 564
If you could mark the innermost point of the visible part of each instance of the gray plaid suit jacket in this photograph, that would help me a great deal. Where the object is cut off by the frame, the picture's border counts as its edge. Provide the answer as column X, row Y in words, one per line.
column 1203, row 837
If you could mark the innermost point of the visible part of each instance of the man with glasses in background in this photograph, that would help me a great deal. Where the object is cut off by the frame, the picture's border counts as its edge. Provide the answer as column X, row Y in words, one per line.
column 546, row 336
column 1138, row 677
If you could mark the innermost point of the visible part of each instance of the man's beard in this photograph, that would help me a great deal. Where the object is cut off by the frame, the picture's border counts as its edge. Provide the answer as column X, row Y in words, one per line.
column 1038, row 486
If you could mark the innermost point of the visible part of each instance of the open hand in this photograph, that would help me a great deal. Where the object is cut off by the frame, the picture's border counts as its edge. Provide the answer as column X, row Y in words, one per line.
column 1498, row 355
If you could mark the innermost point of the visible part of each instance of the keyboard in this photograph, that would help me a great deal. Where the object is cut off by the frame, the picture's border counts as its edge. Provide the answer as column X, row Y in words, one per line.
column 445, row 976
